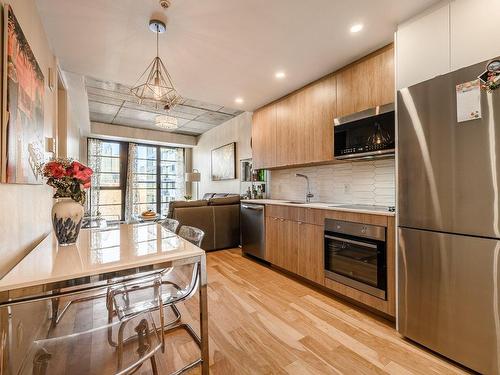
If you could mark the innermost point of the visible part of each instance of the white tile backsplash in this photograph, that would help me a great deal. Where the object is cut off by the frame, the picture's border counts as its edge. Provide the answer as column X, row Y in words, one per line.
column 367, row 182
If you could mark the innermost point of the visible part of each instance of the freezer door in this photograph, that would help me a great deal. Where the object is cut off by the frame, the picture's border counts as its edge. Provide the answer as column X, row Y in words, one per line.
column 449, row 172
column 448, row 288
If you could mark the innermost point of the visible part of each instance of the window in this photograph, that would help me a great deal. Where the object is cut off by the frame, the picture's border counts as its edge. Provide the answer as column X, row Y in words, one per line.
column 145, row 180
column 170, row 170
column 156, row 172
column 106, row 159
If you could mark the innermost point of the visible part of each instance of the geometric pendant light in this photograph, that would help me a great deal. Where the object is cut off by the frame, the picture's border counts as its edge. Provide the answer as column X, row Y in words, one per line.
column 155, row 83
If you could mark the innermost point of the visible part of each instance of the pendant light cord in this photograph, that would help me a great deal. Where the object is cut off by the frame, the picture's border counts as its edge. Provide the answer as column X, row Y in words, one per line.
column 157, row 33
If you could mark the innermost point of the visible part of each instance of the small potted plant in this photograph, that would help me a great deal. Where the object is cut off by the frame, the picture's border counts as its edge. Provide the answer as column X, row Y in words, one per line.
column 70, row 178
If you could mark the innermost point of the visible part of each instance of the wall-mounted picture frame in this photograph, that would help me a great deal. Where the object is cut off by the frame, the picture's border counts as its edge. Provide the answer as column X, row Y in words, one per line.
column 23, row 93
column 224, row 162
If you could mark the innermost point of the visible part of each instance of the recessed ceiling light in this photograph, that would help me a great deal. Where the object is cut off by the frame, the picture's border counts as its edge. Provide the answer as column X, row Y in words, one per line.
column 280, row 75
column 238, row 100
column 356, row 28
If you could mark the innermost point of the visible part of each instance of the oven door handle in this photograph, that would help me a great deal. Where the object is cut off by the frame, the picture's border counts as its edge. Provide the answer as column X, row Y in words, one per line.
column 372, row 246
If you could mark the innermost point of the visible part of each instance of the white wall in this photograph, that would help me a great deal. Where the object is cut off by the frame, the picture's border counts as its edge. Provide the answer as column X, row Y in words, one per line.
column 25, row 209
column 367, row 182
column 239, row 130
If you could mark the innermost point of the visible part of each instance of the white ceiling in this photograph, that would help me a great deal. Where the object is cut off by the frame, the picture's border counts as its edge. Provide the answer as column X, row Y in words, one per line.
column 113, row 103
column 220, row 49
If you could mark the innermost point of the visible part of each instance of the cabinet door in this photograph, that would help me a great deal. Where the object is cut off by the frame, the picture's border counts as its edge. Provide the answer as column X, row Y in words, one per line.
column 281, row 243
column 264, row 137
column 473, row 42
column 321, row 109
column 311, row 252
column 345, row 93
column 382, row 89
column 287, row 243
column 366, row 84
column 272, row 246
column 423, row 46
column 287, row 131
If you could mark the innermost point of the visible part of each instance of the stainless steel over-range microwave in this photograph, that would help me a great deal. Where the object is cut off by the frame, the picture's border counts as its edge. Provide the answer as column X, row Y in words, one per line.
column 365, row 135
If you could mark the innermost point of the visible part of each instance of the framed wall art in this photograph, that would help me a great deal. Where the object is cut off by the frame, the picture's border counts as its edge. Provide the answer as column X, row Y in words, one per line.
column 224, row 162
column 23, row 91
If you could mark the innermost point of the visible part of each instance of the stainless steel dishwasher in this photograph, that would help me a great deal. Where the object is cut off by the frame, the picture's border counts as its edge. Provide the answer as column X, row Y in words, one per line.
column 253, row 230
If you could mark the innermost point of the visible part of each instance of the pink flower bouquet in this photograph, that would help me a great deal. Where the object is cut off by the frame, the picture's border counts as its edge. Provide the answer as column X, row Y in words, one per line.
column 69, row 177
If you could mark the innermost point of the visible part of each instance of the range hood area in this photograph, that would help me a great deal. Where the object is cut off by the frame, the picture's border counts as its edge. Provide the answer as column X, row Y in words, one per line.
column 368, row 134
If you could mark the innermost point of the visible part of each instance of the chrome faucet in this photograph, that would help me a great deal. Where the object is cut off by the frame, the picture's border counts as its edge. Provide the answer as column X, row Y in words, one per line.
column 309, row 195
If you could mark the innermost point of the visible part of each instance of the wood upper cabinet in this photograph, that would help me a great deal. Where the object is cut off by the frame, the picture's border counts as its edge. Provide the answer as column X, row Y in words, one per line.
column 287, row 131
column 317, row 107
column 367, row 83
column 298, row 129
column 264, row 137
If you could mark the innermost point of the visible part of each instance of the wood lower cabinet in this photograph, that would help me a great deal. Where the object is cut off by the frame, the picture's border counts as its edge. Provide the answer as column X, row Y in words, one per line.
column 295, row 243
column 281, row 243
column 296, row 247
column 311, row 258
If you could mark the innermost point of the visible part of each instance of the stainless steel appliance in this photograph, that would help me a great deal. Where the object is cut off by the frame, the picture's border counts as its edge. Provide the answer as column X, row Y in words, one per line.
column 253, row 235
column 355, row 255
column 365, row 135
column 449, row 222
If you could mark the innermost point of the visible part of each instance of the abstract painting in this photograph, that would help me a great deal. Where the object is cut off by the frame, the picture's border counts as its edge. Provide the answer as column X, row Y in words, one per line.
column 224, row 162
column 23, row 107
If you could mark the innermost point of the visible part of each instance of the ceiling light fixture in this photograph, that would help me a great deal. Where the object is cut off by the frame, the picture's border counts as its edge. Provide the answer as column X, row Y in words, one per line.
column 356, row 28
column 166, row 122
column 155, row 83
column 280, row 75
column 238, row 100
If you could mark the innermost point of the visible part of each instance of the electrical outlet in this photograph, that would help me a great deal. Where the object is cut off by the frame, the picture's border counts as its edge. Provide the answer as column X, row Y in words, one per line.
column 347, row 188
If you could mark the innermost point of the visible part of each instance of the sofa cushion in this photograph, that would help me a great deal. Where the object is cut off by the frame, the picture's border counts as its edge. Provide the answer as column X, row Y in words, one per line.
column 230, row 199
column 220, row 195
column 207, row 196
column 181, row 204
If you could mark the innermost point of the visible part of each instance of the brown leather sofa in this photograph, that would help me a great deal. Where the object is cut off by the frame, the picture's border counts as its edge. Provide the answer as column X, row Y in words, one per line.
column 218, row 215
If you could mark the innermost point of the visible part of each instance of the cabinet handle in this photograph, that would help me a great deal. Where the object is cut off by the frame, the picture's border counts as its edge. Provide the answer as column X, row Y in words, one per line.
column 300, row 222
column 282, row 219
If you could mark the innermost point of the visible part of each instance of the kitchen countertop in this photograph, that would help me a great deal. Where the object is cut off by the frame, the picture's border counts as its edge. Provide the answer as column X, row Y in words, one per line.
column 318, row 205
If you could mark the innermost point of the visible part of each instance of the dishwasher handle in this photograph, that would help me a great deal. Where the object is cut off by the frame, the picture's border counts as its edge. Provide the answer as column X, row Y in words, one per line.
column 256, row 208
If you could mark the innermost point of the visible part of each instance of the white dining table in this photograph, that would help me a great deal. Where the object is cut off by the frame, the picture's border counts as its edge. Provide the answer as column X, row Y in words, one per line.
column 104, row 258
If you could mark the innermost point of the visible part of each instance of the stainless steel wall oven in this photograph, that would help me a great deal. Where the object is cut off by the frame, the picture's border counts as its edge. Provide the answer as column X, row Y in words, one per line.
column 356, row 256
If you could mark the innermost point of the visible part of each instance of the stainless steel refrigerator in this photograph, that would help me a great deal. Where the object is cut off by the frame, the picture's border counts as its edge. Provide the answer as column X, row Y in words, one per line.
column 449, row 221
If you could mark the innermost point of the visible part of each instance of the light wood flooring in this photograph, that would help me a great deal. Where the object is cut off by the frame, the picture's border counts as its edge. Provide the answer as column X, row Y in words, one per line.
column 263, row 322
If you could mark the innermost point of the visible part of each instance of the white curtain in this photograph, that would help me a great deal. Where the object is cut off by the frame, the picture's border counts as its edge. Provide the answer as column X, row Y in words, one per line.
column 129, row 191
column 180, row 182
column 94, row 160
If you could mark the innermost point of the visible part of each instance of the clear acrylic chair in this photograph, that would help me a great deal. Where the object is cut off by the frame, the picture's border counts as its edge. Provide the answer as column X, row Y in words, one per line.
column 130, row 299
column 70, row 348
column 192, row 234
column 170, row 224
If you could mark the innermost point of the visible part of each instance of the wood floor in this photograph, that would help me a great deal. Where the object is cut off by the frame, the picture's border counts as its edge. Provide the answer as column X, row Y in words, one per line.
column 263, row 322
